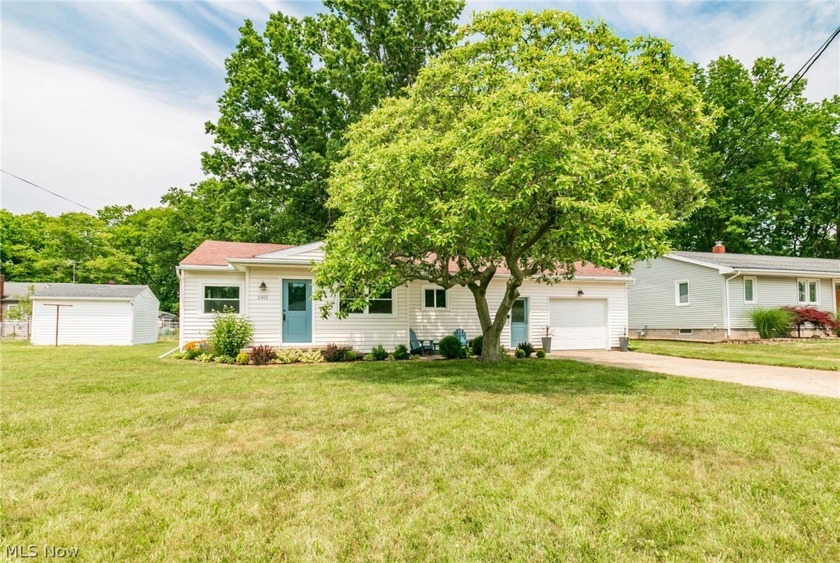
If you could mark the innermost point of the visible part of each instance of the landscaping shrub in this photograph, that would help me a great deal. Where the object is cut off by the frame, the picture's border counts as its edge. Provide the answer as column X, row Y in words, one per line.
column 541, row 354
column 335, row 353
column 205, row 358
column 771, row 323
column 822, row 320
column 230, row 333
column 526, row 347
column 310, row 357
column 262, row 355
column 224, row 359
column 450, row 347
column 377, row 354
column 351, row 355
column 520, row 353
column 242, row 358
column 194, row 349
column 401, row 352
column 476, row 345
column 287, row 355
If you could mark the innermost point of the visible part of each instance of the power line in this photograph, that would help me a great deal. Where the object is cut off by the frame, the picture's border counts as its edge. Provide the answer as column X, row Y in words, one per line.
column 48, row 191
column 777, row 100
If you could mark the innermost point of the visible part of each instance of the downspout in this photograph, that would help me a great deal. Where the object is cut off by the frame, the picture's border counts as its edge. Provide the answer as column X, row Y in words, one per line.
column 726, row 303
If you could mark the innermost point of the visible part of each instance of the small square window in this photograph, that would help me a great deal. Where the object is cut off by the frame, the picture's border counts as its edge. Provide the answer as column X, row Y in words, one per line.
column 221, row 298
column 434, row 298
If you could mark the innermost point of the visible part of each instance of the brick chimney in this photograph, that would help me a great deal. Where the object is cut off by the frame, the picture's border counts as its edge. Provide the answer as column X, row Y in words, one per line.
column 718, row 248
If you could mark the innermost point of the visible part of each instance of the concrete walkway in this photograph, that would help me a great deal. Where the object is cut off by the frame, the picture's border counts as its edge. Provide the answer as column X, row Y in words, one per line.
column 807, row 381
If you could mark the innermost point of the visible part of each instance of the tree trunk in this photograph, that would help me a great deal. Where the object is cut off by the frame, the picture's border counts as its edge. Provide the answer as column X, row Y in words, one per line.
column 492, row 328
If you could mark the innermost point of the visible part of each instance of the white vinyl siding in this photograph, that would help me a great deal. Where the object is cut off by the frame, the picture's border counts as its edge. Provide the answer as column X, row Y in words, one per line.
column 362, row 332
column 653, row 302
column 461, row 312
column 101, row 323
column 145, row 318
column 774, row 291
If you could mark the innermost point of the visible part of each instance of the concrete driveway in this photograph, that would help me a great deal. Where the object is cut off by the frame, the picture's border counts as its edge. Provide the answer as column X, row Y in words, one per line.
column 807, row 381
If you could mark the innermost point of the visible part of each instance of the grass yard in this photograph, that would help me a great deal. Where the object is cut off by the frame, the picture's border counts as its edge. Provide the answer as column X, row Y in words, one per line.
column 817, row 354
column 131, row 458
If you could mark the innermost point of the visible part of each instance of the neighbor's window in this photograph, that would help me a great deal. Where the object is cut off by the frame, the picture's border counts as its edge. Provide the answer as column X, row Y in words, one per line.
column 749, row 290
column 219, row 298
column 809, row 291
column 681, row 293
column 434, row 298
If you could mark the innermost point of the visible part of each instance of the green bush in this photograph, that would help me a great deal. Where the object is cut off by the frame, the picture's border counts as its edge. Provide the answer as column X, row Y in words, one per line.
column 401, row 352
column 230, row 333
column 771, row 323
column 262, row 355
column 476, row 345
column 520, row 353
column 450, row 347
column 377, row 354
column 350, row 355
column 224, row 359
column 526, row 347
column 204, row 358
column 541, row 354
column 242, row 358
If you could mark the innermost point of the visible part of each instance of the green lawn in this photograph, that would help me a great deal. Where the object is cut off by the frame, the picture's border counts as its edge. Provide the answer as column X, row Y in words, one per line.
column 817, row 354
column 131, row 458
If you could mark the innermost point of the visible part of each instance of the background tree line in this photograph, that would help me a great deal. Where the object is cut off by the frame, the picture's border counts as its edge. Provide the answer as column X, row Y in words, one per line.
column 294, row 89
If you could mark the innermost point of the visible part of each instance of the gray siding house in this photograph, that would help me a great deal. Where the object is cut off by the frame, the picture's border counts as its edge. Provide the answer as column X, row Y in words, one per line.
column 708, row 295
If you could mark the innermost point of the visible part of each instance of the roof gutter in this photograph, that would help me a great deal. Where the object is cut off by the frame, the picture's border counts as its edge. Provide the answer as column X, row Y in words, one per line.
column 726, row 308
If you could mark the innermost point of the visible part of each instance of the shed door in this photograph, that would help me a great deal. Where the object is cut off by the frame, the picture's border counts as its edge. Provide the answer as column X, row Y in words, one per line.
column 579, row 324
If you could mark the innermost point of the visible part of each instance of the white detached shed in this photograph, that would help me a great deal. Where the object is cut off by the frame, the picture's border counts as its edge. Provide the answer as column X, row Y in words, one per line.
column 120, row 315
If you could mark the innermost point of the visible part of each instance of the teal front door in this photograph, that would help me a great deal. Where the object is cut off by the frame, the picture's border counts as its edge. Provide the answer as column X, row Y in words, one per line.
column 297, row 311
column 519, row 322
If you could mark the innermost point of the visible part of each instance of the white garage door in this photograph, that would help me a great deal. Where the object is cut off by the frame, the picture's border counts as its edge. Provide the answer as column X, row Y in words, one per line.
column 579, row 324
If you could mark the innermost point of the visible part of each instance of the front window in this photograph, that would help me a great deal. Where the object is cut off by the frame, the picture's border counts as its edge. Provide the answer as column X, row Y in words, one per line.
column 682, row 295
column 808, row 292
column 221, row 298
column 749, row 290
column 434, row 298
column 382, row 305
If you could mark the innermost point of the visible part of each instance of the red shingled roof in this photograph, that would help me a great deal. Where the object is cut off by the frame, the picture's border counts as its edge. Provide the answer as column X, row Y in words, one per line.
column 216, row 252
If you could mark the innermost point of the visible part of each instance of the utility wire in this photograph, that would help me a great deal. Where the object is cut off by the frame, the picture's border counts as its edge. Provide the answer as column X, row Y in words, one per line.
column 46, row 190
column 779, row 98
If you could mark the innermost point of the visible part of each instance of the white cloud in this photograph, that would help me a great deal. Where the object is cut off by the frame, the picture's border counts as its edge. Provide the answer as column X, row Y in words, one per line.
column 96, row 141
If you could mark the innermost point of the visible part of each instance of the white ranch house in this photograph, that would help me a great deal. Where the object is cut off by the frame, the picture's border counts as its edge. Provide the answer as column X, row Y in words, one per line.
column 272, row 286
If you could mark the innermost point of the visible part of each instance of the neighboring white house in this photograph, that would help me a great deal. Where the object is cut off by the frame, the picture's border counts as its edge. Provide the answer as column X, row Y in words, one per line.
column 94, row 314
column 708, row 295
column 272, row 285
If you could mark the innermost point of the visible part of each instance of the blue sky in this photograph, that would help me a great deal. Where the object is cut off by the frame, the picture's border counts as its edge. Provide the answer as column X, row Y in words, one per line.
column 105, row 102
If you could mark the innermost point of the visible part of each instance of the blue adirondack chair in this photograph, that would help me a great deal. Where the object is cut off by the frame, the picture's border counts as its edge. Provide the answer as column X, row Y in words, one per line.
column 461, row 335
column 417, row 346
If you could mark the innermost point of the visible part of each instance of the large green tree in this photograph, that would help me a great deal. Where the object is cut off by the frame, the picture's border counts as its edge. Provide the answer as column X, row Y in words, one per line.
column 772, row 172
column 293, row 90
column 542, row 140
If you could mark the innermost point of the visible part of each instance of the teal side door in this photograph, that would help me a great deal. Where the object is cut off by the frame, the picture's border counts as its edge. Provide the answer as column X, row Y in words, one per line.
column 519, row 322
column 297, row 311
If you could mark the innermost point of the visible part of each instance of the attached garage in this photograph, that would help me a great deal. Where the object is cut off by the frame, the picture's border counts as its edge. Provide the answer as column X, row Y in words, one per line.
column 120, row 315
column 579, row 324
